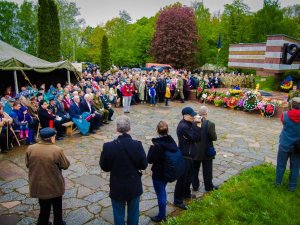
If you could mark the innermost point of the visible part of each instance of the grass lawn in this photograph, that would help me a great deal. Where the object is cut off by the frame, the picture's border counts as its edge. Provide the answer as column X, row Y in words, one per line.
column 266, row 83
column 248, row 198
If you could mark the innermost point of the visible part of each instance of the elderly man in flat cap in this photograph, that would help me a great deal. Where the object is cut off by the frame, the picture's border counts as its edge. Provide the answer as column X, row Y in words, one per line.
column 289, row 145
column 45, row 161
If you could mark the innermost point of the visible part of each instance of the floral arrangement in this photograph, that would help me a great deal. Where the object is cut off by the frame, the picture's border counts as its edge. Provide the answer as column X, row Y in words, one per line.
column 251, row 101
column 270, row 110
column 235, row 92
column 218, row 101
column 232, row 102
column 210, row 98
column 287, row 84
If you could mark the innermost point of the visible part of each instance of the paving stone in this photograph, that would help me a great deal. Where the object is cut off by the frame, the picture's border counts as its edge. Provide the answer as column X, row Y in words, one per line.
column 78, row 216
column 23, row 190
column 94, row 208
column 30, row 201
column 27, row 221
column 20, row 209
column 12, row 197
column 15, row 184
column 147, row 204
column 107, row 215
column 10, row 171
column 74, row 203
column 9, row 205
column 97, row 222
column 71, row 193
column 96, row 196
column 105, row 202
column 91, row 181
column 83, row 191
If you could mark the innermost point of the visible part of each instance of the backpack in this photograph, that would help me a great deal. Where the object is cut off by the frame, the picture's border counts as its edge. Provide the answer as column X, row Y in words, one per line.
column 173, row 166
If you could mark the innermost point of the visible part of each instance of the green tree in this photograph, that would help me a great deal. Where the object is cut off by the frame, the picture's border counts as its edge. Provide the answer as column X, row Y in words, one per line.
column 44, row 30
column 234, row 27
column 105, row 56
column 55, row 32
column 267, row 20
column 27, row 27
column 71, row 30
column 8, row 18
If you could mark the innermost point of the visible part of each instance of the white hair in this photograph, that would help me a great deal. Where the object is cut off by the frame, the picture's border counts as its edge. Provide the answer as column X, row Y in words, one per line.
column 123, row 124
column 203, row 110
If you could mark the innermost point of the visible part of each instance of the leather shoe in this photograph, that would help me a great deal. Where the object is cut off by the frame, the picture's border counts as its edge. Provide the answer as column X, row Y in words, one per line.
column 4, row 151
column 213, row 188
column 59, row 138
column 92, row 132
column 181, row 206
column 110, row 120
column 157, row 219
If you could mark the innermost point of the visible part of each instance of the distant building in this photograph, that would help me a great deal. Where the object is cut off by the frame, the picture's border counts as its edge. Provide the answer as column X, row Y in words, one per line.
column 279, row 54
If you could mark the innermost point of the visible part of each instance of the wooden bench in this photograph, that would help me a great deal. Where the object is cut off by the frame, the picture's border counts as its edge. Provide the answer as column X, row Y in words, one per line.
column 69, row 128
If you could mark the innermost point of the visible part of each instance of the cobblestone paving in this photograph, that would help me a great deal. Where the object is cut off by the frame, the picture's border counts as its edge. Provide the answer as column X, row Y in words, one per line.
column 244, row 140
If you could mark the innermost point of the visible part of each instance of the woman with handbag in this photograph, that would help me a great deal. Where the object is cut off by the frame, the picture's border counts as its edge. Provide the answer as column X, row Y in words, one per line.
column 288, row 148
column 205, row 153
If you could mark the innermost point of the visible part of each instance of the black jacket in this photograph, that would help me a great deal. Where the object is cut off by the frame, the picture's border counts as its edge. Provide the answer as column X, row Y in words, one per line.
column 156, row 155
column 125, row 181
column 201, row 147
column 45, row 117
column 188, row 134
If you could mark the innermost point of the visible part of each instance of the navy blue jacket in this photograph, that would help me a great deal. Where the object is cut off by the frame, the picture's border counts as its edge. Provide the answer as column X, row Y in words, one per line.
column 85, row 108
column 188, row 134
column 125, row 182
column 156, row 154
column 60, row 109
column 75, row 111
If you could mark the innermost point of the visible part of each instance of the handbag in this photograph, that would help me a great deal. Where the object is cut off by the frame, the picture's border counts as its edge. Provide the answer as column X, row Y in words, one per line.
column 210, row 150
column 297, row 147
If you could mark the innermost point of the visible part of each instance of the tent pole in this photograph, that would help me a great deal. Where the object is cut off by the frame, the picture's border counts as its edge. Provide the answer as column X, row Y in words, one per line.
column 16, row 82
column 69, row 80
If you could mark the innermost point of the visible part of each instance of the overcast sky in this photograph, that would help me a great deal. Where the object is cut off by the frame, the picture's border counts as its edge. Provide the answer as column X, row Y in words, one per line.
column 99, row 11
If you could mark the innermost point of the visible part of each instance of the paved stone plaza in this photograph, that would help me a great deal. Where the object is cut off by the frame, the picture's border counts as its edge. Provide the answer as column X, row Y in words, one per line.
column 244, row 140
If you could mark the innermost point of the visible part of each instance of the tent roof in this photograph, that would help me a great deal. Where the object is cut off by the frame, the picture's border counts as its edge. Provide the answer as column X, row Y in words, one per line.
column 14, row 59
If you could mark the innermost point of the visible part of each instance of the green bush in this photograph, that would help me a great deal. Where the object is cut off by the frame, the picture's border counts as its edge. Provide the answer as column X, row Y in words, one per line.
column 249, row 198
column 266, row 83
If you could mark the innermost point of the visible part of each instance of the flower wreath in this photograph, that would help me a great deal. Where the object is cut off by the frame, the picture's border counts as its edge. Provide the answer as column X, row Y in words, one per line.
column 269, row 110
column 232, row 102
column 251, row 101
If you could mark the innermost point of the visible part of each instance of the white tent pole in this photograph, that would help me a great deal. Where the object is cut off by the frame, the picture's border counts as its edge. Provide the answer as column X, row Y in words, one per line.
column 69, row 79
column 16, row 82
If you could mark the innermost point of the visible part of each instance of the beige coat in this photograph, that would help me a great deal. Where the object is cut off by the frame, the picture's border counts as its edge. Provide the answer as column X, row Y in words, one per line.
column 45, row 161
column 6, row 119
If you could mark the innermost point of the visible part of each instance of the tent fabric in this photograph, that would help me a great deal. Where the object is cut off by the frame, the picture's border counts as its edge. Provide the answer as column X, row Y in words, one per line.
column 14, row 59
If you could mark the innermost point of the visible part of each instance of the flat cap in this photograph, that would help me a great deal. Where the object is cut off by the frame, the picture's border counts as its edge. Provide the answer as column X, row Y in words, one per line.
column 188, row 111
column 47, row 132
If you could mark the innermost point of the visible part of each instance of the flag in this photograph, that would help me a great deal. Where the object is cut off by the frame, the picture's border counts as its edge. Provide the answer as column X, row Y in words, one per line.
column 219, row 45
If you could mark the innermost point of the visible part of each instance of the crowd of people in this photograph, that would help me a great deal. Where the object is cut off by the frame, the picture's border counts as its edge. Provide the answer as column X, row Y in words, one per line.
column 90, row 102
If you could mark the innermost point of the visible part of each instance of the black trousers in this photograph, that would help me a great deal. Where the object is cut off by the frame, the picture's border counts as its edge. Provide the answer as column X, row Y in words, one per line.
column 45, row 208
column 5, row 143
column 207, row 174
column 182, row 187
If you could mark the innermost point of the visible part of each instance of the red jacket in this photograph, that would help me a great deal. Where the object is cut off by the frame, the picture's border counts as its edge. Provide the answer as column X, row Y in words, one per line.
column 127, row 90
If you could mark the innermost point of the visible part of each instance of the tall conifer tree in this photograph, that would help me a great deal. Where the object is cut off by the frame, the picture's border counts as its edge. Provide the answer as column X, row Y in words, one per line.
column 105, row 56
column 48, row 31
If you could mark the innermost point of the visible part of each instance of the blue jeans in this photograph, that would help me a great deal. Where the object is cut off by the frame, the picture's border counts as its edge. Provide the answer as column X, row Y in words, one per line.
column 152, row 100
column 282, row 158
column 160, row 190
column 133, row 211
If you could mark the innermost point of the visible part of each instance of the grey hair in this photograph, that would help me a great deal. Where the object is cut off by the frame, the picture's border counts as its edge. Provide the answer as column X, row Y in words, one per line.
column 123, row 124
column 203, row 110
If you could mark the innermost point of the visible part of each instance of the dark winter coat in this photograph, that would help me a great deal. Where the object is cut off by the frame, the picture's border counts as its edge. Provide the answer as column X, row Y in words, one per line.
column 156, row 154
column 188, row 133
column 201, row 147
column 125, row 181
